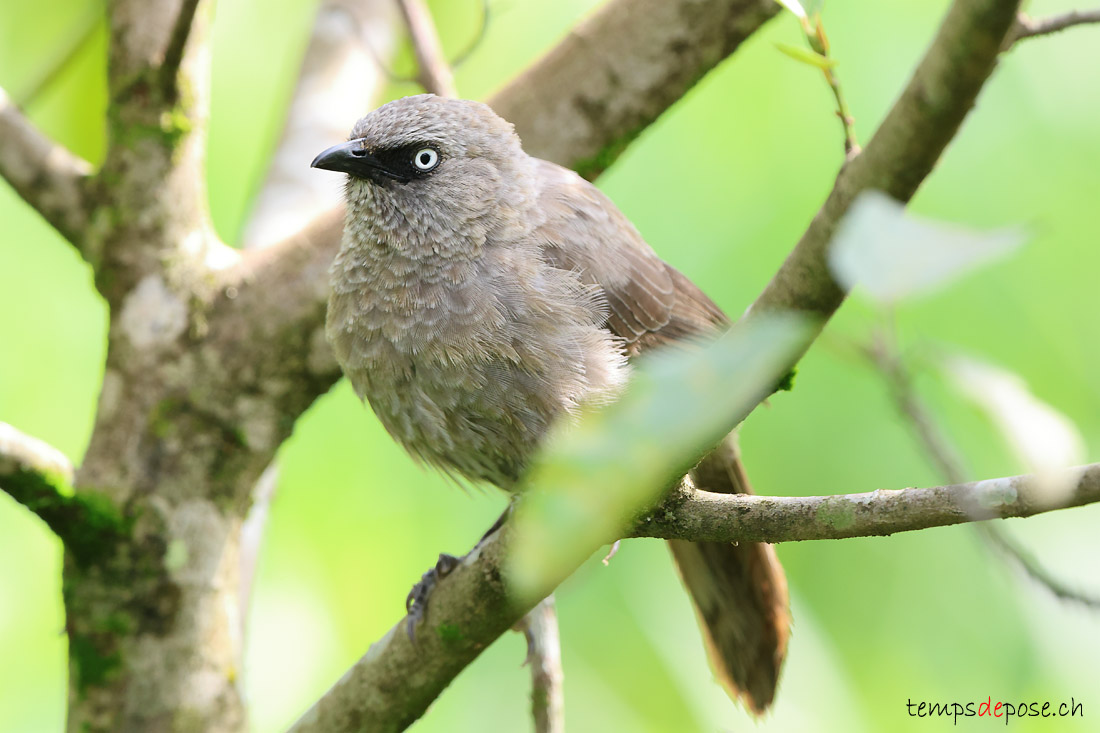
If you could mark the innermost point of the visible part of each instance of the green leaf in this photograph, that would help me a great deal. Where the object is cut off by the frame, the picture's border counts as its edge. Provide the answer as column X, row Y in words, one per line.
column 609, row 466
column 806, row 56
column 894, row 255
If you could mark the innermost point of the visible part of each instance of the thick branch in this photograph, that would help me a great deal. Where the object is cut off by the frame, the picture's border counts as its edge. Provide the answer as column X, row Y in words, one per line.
column 44, row 174
column 149, row 35
column 152, row 180
column 617, row 71
column 433, row 73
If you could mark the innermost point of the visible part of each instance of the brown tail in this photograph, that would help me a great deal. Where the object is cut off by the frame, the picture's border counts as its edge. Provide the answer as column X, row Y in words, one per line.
column 739, row 592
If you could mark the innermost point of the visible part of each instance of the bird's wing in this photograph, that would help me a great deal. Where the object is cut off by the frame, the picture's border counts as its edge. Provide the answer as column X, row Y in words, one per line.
column 649, row 302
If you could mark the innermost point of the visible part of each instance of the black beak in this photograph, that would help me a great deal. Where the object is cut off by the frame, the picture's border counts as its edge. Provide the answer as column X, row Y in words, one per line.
column 350, row 157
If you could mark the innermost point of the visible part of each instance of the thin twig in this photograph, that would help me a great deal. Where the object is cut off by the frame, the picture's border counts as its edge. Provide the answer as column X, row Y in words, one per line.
column 902, row 152
column 173, row 53
column 540, row 627
column 433, row 73
column 703, row 516
column 46, row 175
column 1033, row 569
column 819, row 42
column 884, row 353
column 1027, row 27
column 460, row 59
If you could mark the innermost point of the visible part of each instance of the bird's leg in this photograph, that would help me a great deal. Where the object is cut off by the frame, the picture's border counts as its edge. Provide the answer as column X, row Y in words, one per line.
column 416, row 603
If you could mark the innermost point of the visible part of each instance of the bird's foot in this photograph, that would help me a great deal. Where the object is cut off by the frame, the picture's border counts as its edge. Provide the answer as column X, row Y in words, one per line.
column 416, row 604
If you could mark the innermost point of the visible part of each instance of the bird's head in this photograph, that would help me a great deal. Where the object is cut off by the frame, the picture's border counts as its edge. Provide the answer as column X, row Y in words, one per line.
column 426, row 160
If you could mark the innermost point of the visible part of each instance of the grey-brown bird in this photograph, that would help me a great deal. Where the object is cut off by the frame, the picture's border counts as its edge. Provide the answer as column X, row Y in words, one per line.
column 480, row 295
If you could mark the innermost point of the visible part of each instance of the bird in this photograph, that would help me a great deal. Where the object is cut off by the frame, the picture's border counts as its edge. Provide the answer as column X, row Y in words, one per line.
column 481, row 295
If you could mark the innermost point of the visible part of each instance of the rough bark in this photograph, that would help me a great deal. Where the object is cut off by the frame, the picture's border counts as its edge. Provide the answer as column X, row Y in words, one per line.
column 48, row 177
column 152, row 632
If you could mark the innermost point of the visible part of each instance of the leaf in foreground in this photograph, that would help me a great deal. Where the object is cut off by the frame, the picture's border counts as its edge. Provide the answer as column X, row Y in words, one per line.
column 895, row 255
column 1042, row 437
column 613, row 463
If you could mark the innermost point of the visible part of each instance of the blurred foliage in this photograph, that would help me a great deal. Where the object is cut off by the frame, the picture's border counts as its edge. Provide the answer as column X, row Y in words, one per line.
column 722, row 187
column 894, row 256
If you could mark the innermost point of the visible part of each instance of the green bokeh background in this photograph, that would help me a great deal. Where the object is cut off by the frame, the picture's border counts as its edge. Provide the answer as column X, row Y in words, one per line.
column 721, row 186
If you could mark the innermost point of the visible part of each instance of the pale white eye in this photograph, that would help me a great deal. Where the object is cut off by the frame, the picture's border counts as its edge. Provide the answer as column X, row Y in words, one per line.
column 426, row 159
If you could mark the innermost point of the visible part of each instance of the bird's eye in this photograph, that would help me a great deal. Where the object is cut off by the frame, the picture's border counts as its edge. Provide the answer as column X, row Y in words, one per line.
column 426, row 159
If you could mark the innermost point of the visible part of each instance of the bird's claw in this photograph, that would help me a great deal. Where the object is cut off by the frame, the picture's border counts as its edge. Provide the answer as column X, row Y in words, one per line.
column 416, row 604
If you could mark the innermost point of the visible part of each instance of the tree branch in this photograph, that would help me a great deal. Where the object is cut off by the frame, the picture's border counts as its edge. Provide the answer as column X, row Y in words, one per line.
column 33, row 473
column 540, row 626
column 44, row 174
column 392, row 684
column 173, row 52
column 20, row 453
column 1035, row 571
column 617, row 71
column 395, row 681
column 152, row 175
column 433, row 73
column 1027, row 27
column 702, row 516
column 472, row 608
